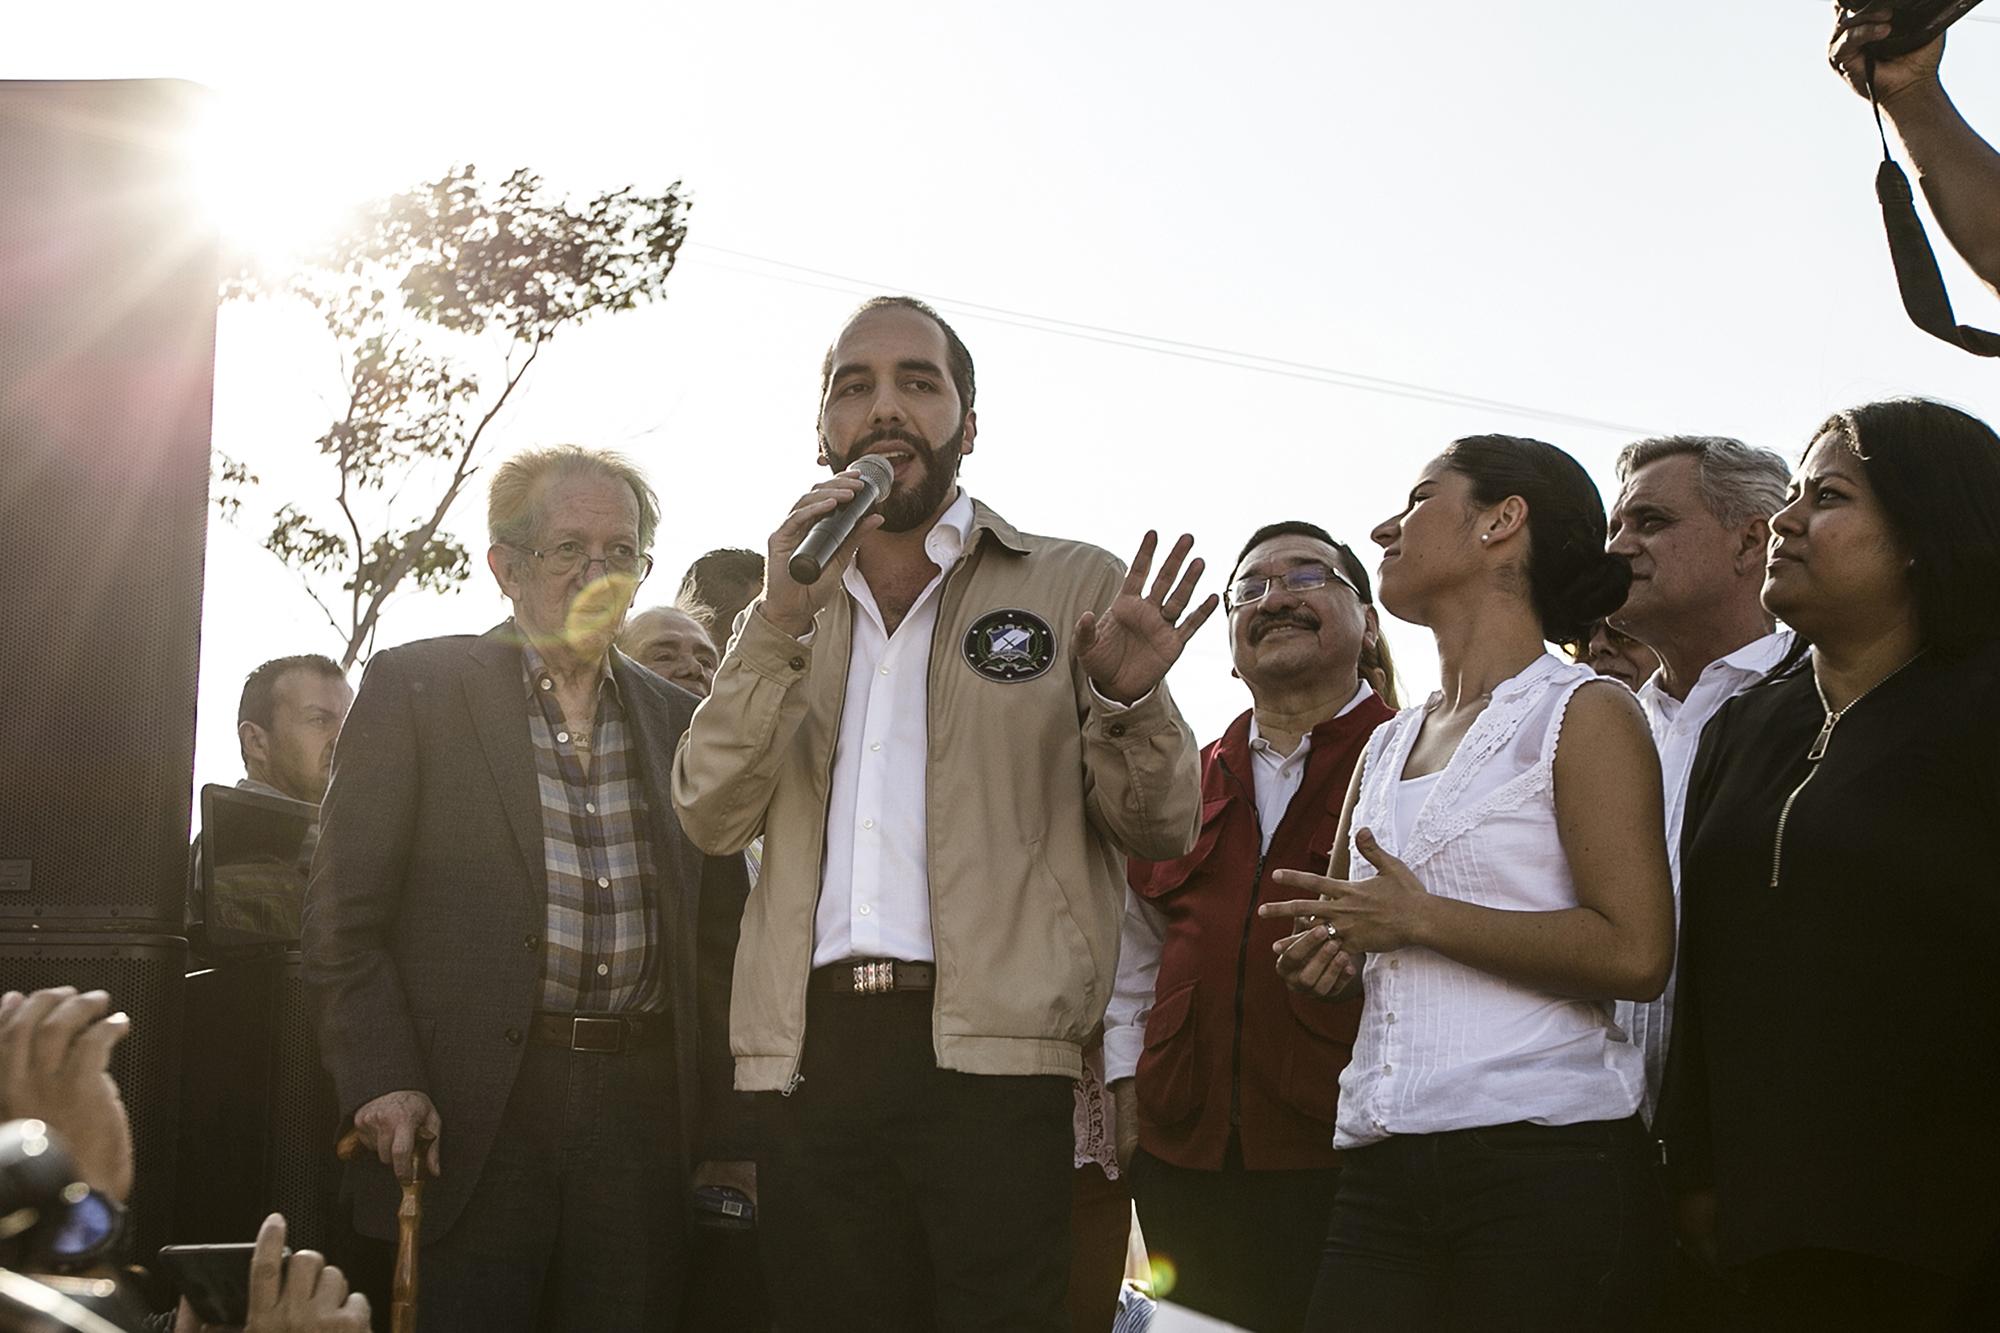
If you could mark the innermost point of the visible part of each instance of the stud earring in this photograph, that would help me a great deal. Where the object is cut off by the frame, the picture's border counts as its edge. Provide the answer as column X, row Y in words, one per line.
column 1486, row 536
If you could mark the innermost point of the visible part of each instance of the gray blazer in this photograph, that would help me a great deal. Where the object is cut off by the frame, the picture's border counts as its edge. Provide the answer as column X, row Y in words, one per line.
column 423, row 920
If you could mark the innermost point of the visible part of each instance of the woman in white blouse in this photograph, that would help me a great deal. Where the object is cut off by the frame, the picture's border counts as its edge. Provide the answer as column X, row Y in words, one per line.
column 1500, row 879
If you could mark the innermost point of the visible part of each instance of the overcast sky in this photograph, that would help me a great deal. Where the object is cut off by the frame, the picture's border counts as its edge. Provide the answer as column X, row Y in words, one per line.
column 1628, row 216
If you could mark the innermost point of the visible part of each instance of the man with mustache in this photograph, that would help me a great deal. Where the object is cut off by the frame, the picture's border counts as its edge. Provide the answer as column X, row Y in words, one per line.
column 1225, row 1081
column 500, row 937
column 950, row 741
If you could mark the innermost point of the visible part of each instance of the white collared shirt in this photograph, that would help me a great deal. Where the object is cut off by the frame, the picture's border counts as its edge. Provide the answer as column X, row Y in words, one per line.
column 1275, row 778
column 875, row 899
column 1677, row 726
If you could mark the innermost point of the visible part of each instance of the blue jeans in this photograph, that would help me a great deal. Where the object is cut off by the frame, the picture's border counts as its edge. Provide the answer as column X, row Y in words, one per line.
column 1507, row 1226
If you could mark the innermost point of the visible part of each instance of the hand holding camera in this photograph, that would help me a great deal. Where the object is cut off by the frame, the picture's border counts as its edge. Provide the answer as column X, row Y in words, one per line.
column 1880, row 30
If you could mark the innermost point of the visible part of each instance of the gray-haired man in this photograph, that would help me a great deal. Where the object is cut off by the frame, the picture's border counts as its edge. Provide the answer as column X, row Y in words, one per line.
column 1693, row 516
column 501, row 933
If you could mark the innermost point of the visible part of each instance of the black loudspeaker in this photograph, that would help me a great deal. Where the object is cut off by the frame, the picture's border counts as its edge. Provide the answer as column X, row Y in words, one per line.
column 145, row 975
column 258, row 1115
column 108, row 283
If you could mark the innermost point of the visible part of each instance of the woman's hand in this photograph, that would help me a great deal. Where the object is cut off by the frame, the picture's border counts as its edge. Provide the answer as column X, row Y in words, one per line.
column 1376, row 915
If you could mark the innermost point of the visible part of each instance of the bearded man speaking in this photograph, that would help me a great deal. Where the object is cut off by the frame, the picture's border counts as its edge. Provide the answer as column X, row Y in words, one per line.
column 950, row 742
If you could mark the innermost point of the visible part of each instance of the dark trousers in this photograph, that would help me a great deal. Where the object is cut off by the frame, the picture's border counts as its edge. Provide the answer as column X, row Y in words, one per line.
column 1243, row 1245
column 1100, row 1236
column 899, row 1196
column 579, row 1217
column 1514, row 1226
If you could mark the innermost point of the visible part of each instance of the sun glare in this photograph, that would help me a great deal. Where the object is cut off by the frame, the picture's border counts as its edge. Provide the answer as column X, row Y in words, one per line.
column 266, row 181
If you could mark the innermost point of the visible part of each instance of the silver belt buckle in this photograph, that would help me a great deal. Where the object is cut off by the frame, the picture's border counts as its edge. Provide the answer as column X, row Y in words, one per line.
column 874, row 978
column 601, row 1036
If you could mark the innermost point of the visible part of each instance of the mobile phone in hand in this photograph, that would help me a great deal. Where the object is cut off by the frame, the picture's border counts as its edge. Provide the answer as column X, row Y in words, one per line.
column 215, row 1279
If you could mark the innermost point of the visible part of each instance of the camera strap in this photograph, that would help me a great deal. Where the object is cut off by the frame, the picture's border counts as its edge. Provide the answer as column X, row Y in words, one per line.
column 1917, row 275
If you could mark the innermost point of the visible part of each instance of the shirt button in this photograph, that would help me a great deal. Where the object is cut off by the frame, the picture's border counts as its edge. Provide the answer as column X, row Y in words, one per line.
column 876, row 746
column 548, row 684
column 562, row 735
column 867, row 823
column 529, row 942
column 513, row 1036
column 1115, row 730
column 603, row 883
column 885, row 670
column 604, row 969
column 591, row 806
column 797, row 664
column 866, row 909
column 1388, row 1069
column 1392, row 1018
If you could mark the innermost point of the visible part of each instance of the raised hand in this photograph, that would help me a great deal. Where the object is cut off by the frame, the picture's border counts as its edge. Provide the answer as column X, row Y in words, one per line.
column 55, row 1063
column 1127, row 650
column 1853, row 33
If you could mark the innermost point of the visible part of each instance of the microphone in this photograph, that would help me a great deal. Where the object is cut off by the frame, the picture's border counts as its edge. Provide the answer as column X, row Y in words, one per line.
column 809, row 561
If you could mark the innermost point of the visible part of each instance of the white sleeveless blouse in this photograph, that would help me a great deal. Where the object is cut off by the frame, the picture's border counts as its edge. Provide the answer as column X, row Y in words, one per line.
column 1443, row 1046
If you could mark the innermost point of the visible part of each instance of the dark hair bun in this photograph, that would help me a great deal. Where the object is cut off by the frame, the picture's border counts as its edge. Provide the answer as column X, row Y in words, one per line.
column 1596, row 589
column 1571, row 581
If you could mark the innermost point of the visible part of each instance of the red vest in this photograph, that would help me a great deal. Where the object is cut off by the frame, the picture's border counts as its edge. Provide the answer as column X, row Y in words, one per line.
column 1227, row 1042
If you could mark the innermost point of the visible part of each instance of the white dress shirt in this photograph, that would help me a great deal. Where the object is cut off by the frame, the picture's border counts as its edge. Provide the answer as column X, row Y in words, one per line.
column 1444, row 1046
column 1275, row 778
column 1677, row 726
column 875, row 901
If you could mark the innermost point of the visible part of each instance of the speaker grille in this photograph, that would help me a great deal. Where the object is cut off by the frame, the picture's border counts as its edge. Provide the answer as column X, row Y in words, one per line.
column 144, row 975
column 305, row 1119
column 107, row 337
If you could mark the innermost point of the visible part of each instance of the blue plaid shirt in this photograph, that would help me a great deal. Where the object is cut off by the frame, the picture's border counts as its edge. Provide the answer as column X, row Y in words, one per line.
column 597, row 953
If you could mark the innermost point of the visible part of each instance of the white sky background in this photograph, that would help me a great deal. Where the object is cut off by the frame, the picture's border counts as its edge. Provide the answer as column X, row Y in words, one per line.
column 1658, row 215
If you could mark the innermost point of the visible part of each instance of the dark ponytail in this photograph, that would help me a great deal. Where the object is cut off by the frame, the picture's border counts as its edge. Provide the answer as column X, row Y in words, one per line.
column 1572, row 580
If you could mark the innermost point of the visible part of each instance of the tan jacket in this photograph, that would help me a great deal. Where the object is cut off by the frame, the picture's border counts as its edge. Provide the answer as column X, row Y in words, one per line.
column 1036, row 793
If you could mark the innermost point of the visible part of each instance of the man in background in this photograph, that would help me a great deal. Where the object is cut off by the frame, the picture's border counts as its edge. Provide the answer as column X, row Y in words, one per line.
column 286, row 723
column 1610, row 651
column 287, row 720
column 673, row 645
column 1693, row 516
column 717, row 586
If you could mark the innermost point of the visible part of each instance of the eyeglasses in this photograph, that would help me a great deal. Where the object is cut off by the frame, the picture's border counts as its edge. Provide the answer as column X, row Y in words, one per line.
column 1302, row 578
column 566, row 558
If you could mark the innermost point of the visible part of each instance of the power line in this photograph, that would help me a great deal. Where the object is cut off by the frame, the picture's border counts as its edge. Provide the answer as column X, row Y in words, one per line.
column 1160, row 346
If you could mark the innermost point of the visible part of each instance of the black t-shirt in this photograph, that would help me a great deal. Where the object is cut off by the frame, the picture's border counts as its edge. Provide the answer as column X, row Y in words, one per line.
column 1836, row 1065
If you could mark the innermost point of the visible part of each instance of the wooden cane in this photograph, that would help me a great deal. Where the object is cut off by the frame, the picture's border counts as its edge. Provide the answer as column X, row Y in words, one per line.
column 409, row 1227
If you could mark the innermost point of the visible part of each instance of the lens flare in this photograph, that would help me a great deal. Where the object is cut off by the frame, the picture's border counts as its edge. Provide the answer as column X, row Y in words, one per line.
column 595, row 615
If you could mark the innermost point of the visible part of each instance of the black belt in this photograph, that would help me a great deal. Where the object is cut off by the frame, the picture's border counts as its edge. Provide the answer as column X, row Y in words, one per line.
column 873, row 976
column 601, row 1034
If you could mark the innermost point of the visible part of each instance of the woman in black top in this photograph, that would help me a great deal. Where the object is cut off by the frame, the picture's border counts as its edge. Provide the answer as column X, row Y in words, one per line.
column 1832, row 1106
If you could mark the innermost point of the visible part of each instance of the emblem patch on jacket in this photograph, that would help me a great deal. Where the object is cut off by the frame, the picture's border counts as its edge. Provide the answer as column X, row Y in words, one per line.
column 1010, row 646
